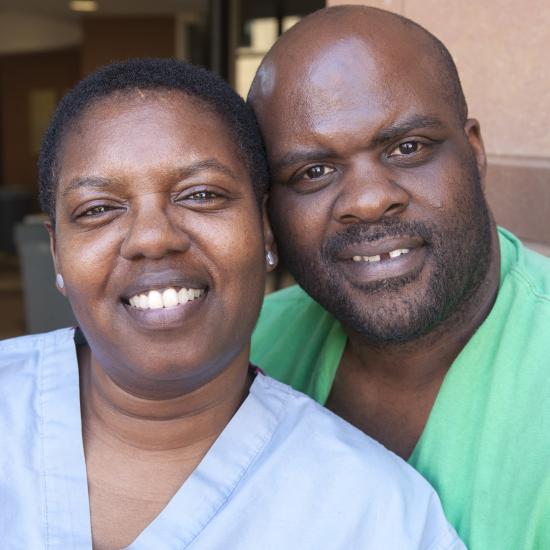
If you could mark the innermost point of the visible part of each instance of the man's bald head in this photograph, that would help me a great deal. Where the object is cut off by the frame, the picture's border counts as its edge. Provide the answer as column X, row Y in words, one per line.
column 371, row 154
column 289, row 61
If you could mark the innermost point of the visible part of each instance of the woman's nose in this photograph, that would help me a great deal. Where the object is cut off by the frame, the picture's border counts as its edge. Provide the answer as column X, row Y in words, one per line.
column 154, row 231
column 367, row 196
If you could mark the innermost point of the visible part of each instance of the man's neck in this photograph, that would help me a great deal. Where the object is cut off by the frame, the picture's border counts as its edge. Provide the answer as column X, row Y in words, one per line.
column 389, row 390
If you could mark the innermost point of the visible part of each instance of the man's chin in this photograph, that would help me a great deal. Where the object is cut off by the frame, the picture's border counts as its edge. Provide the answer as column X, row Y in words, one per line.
column 386, row 288
column 388, row 311
column 388, row 316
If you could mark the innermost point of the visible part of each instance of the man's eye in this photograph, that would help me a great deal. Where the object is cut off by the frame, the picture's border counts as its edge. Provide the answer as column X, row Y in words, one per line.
column 317, row 171
column 202, row 196
column 406, row 148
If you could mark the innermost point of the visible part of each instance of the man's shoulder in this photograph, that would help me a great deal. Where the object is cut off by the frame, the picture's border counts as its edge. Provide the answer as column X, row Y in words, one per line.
column 298, row 342
column 529, row 269
column 288, row 312
column 288, row 298
column 535, row 270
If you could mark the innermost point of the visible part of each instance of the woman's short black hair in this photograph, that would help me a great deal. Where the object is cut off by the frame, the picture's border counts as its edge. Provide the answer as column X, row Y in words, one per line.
column 152, row 74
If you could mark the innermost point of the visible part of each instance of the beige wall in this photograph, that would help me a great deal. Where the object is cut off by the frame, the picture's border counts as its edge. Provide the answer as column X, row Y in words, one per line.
column 501, row 51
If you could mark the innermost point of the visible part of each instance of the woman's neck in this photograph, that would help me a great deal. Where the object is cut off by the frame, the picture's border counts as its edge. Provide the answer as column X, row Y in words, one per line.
column 140, row 451
column 188, row 421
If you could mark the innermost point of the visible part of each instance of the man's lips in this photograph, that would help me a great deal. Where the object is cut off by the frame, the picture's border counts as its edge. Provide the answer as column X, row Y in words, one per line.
column 380, row 250
column 385, row 259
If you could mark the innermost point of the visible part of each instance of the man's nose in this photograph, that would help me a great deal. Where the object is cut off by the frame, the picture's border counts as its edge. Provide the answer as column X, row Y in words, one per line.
column 155, row 230
column 368, row 195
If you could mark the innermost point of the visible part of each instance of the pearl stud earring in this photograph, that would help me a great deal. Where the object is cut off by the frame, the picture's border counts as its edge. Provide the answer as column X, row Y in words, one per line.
column 269, row 258
column 59, row 280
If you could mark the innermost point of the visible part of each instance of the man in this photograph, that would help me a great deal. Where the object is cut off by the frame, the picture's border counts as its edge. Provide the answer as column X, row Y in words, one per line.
column 424, row 326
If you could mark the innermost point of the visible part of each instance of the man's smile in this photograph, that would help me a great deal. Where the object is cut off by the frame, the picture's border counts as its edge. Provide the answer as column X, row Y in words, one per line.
column 382, row 257
column 371, row 263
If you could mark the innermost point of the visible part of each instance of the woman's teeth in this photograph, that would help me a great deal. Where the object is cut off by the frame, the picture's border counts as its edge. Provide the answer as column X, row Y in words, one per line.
column 392, row 254
column 170, row 297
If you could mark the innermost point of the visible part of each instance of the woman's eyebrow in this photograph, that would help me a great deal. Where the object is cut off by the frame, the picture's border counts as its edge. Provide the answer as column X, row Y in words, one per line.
column 205, row 165
column 99, row 183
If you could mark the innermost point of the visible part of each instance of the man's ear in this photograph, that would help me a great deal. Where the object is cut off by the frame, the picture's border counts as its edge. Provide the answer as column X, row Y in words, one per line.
column 53, row 250
column 473, row 134
column 271, row 253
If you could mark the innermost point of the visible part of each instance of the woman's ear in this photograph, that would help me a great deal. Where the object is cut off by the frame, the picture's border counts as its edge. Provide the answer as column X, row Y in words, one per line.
column 271, row 253
column 59, row 282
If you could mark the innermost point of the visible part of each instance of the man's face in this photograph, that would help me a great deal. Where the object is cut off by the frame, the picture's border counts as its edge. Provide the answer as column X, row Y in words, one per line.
column 376, row 199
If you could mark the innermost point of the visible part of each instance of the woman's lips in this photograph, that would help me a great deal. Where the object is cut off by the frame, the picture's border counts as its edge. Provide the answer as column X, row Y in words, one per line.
column 160, row 317
column 167, row 298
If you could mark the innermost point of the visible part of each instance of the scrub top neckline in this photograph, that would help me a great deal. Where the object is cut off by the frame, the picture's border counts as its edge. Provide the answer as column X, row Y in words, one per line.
column 202, row 494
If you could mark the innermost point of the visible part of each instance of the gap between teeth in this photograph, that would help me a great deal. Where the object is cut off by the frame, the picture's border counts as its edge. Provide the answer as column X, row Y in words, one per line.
column 154, row 299
column 392, row 254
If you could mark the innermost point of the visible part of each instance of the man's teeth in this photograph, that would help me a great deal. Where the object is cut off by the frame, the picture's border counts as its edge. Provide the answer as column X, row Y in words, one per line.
column 398, row 252
column 170, row 297
column 393, row 254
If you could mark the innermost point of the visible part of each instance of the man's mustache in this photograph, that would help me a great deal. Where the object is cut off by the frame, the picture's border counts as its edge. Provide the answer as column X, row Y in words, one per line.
column 360, row 233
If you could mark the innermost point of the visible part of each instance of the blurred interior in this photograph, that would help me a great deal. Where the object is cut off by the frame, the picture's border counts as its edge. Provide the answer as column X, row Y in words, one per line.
column 46, row 46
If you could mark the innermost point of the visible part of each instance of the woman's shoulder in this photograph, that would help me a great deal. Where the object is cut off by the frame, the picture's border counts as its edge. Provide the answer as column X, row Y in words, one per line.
column 31, row 348
column 319, row 461
column 31, row 342
column 316, row 431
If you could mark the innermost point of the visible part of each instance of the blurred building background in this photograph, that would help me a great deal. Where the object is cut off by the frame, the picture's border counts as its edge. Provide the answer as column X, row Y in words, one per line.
column 46, row 46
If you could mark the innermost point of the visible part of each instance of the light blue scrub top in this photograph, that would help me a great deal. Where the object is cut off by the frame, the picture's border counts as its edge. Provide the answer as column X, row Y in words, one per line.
column 284, row 474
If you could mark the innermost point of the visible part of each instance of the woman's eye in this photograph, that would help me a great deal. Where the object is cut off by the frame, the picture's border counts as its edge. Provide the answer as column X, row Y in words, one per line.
column 317, row 171
column 96, row 211
column 406, row 148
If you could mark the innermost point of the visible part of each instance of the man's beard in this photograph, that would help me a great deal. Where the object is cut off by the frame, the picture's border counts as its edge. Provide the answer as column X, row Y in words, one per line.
column 385, row 312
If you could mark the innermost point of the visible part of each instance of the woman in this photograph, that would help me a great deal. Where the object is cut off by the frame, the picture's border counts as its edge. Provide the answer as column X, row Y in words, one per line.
column 146, row 428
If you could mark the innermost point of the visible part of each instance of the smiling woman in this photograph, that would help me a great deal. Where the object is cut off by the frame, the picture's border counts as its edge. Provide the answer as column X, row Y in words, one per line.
column 146, row 427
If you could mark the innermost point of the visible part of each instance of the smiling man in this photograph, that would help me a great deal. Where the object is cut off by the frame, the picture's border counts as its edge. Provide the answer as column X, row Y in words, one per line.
column 421, row 322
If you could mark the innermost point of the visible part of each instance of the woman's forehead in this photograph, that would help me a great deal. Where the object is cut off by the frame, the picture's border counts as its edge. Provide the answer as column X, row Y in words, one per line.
column 142, row 128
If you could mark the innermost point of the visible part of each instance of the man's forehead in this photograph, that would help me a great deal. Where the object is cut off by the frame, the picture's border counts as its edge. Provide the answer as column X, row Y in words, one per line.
column 335, row 65
column 346, row 79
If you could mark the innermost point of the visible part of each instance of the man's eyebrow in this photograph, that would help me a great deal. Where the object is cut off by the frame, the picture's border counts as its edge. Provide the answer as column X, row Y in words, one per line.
column 302, row 156
column 100, row 183
column 397, row 129
column 93, row 182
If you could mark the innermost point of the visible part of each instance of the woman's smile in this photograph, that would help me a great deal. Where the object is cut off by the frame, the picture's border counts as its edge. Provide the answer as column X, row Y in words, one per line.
column 156, row 316
column 161, row 300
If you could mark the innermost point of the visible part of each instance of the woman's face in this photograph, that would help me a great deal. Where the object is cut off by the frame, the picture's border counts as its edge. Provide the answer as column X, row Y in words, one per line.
column 159, row 240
